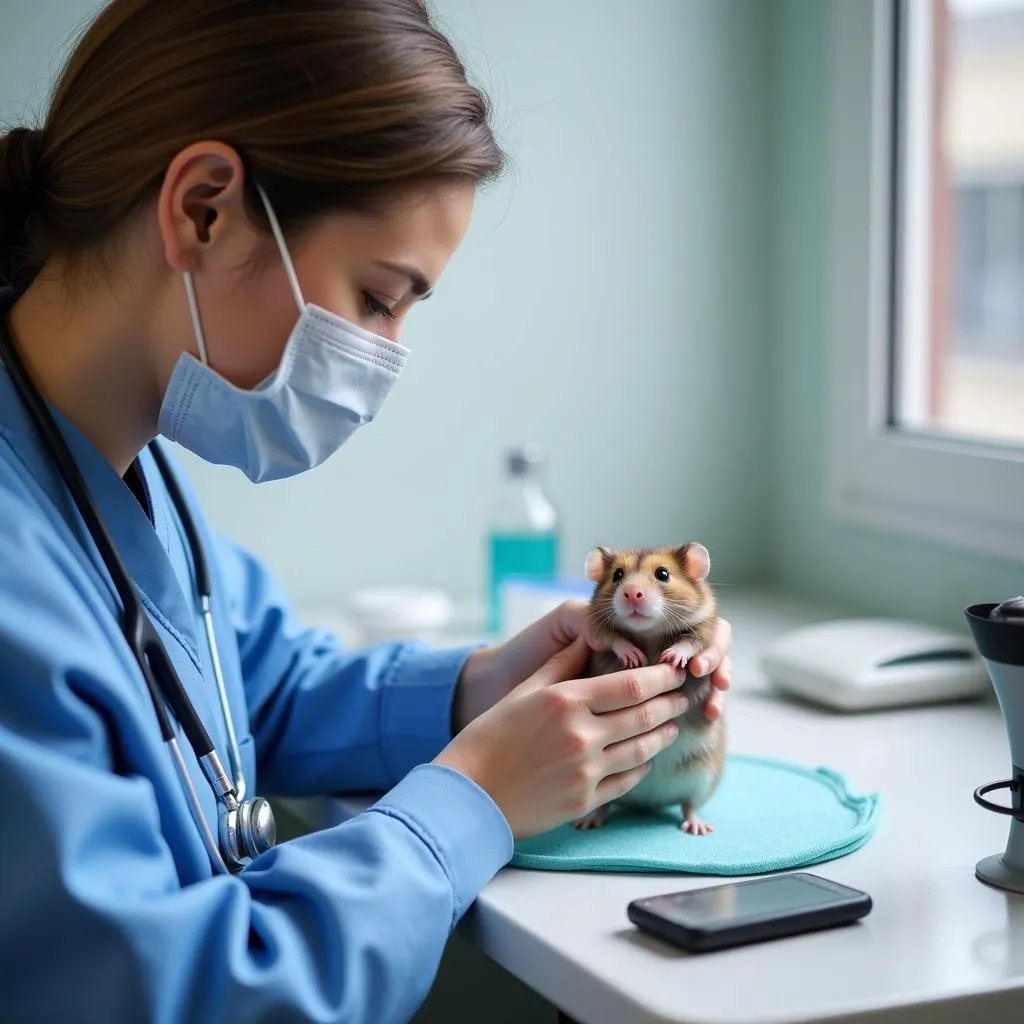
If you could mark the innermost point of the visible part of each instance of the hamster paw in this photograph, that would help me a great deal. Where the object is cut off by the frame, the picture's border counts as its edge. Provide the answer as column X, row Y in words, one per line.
column 695, row 826
column 678, row 654
column 630, row 655
column 595, row 819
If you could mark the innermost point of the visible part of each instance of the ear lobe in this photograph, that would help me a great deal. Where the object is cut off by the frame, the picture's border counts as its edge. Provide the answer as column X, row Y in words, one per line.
column 696, row 561
column 598, row 561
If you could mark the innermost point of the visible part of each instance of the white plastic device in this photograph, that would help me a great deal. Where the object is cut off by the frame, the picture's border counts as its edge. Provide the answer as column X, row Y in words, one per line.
column 860, row 664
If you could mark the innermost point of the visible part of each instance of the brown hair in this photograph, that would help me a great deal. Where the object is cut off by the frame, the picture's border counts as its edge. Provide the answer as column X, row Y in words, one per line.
column 331, row 104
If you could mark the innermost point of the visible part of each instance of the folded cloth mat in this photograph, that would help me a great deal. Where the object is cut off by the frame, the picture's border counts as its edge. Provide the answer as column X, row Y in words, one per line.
column 768, row 815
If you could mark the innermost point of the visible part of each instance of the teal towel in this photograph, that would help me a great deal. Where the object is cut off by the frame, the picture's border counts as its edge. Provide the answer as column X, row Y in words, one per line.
column 768, row 816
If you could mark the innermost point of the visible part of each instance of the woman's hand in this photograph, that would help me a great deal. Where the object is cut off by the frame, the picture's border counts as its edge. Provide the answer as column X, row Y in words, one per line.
column 492, row 672
column 558, row 746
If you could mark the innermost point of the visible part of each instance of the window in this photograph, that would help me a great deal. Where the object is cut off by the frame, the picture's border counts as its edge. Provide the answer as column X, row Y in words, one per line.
column 959, row 95
column 927, row 301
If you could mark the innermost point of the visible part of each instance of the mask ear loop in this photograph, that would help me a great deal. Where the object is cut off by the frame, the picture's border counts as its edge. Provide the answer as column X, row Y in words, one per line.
column 289, row 267
column 193, row 307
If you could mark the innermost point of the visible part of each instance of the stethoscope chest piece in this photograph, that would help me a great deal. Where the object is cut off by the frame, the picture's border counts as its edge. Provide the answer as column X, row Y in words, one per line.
column 246, row 831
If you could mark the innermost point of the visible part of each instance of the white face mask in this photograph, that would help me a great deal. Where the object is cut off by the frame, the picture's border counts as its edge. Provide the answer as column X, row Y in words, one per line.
column 333, row 377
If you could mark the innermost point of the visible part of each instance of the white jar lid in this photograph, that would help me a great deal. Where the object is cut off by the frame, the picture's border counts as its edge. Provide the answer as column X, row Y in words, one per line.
column 401, row 608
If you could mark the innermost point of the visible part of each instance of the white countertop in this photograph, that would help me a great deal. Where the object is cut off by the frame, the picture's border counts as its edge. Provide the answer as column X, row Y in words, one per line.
column 936, row 935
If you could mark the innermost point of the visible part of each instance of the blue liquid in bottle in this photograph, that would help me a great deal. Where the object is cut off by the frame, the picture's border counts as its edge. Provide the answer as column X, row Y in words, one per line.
column 530, row 556
column 523, row 542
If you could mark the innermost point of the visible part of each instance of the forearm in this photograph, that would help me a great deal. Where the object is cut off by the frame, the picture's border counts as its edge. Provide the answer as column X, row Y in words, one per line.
column 358, row 721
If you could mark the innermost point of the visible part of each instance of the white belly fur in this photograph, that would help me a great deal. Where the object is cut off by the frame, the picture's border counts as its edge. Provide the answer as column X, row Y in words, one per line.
column 667, row 783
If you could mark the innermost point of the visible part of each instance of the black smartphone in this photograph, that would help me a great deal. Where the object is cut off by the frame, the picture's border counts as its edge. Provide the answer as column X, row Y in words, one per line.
column 737, row 913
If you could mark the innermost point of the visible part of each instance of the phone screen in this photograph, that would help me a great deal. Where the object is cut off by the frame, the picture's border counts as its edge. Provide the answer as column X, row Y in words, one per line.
column 725, row 904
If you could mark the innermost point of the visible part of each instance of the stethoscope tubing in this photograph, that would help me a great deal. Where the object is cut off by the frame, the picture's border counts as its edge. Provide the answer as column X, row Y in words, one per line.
column 158, row 672
column 205, row 589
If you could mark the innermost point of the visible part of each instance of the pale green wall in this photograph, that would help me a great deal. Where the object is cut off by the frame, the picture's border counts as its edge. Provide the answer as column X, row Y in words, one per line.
column 648, row 288
column 608, row 303
column 32, row 35
column 870, row 569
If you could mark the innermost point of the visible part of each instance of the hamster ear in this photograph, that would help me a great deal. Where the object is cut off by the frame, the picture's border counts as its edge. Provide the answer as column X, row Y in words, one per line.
column 598, row 561
column 695, row 560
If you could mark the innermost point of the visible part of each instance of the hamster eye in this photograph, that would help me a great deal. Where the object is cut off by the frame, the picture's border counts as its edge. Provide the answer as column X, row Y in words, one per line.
column 661, row 573
column 617, row 575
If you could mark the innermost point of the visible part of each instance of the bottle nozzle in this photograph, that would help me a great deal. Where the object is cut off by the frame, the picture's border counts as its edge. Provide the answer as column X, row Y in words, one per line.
column 525, row 460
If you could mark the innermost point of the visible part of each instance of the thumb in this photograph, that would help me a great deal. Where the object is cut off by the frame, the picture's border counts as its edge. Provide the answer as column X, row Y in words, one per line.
column 565, row 664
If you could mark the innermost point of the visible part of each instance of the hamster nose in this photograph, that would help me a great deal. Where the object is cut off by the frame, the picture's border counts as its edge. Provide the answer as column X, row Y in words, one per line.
column 634, row 594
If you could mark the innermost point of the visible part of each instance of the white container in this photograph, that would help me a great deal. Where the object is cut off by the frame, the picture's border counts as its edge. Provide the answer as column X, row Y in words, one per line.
column 378, row 614
column 523, row 602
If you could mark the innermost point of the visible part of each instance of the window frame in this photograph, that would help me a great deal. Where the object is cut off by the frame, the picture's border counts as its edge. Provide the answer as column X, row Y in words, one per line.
column 959, row 492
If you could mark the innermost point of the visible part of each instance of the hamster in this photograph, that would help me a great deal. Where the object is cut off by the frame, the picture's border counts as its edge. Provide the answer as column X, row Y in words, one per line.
column 655, row 605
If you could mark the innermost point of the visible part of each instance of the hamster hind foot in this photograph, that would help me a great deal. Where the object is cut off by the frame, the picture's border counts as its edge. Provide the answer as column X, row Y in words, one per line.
column 595, row 819
column 692, row 824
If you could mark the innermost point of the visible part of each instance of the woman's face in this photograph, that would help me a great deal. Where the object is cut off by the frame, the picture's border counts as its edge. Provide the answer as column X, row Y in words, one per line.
column 368, row 268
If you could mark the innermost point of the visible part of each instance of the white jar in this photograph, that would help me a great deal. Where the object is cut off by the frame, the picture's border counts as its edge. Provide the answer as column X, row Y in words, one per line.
column 397, row 613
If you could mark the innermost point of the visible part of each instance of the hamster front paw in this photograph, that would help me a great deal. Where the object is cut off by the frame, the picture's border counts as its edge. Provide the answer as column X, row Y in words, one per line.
column 630, row 655
column 678, row 654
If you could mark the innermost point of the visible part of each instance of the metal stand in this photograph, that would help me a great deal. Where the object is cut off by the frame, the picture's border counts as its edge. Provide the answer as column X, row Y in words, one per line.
column 1005, row 870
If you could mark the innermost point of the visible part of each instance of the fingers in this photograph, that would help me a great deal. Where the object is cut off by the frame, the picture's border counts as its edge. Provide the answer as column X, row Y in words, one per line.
column 638, row 750
column 642, row 718
column 571, row 619
column 564, row 664
column 564, row 624
column 614, row 786
column 721, row 678
column 528, row 651
column 590, row 635
column 712, row 657
column 713, row 705
column 626, row 689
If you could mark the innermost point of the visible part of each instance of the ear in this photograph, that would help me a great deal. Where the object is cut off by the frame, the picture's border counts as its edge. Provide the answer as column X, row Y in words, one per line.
column 695, row 560
column 201, row 195
column 598, row 561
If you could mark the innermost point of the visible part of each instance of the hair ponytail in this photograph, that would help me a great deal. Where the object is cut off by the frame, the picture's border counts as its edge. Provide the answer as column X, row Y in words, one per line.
column 20, row 202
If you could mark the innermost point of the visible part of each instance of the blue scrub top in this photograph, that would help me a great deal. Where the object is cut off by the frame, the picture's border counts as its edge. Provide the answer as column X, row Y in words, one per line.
column 109, row 910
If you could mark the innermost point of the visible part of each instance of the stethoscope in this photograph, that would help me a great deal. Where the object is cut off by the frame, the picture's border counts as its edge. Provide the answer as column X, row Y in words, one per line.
column 246, row 828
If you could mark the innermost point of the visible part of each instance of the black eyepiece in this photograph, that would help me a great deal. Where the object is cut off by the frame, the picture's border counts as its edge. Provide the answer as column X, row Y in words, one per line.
column 1012, row 609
